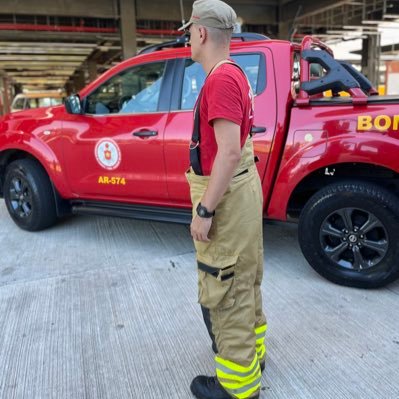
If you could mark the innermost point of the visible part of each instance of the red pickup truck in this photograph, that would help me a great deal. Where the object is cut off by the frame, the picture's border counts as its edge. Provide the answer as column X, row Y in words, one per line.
column 120, row 148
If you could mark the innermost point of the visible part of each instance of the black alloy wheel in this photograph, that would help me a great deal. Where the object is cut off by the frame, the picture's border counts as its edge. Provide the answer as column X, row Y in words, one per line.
column 20, row 197
column 348, row 231
column 354, row 238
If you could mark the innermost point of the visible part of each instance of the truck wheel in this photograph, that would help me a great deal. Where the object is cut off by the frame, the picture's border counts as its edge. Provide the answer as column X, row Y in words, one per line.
column 29, row 196
column 348, row 233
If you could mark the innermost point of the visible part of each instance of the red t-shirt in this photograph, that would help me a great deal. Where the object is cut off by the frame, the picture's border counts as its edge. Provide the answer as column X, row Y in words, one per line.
column 226, row 95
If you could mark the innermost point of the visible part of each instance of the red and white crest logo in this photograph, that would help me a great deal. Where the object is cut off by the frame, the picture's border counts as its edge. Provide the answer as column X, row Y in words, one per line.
column 108, row 154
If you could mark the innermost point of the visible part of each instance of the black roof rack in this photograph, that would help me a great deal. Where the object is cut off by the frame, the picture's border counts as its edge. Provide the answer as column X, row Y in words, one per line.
column 179, row 42
column 184, row 39
column 341, row 76
column 249, row 37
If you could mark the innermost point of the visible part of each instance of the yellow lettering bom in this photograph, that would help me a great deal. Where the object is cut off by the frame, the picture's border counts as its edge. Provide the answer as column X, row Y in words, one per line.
column 381, row 122
column 111, row 180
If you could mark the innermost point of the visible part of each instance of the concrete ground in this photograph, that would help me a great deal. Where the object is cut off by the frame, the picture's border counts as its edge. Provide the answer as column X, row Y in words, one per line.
column 106, row 308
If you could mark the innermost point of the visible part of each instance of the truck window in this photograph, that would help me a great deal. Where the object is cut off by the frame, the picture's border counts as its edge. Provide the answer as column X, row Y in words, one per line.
column 19, row 103
column 49, row 101
column 194, row 77
column 135, row 90
column 32, row 103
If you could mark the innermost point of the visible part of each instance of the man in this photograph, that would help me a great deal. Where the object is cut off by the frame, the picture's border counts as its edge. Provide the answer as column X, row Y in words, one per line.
column 227, row 210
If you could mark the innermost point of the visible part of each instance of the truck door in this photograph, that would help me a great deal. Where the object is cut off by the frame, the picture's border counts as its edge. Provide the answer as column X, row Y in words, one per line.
column 189, row 79
column 115, row 150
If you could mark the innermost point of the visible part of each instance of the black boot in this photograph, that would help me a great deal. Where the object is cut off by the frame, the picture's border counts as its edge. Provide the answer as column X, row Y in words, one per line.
column 209, row 388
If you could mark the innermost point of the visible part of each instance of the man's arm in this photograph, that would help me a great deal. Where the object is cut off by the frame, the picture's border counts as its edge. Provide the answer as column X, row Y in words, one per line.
column 228, row 157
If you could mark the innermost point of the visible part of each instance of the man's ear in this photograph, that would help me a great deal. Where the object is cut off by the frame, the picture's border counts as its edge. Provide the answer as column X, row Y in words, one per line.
column 203, row 34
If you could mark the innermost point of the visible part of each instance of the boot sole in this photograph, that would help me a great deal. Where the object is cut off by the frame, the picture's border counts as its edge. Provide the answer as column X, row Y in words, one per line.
column 199, row 396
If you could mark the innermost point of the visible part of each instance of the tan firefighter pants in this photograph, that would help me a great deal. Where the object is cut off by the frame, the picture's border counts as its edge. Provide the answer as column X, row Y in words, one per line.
column 232, row 294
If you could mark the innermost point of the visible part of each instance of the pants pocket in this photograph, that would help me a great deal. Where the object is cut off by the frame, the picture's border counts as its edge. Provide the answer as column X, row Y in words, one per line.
column 216, row 286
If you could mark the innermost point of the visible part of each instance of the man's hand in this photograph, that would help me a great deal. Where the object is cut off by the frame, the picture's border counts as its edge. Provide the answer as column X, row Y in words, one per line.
column 200, row 228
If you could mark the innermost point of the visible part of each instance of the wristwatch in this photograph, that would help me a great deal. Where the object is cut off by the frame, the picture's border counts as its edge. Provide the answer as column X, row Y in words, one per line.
column 203, row 212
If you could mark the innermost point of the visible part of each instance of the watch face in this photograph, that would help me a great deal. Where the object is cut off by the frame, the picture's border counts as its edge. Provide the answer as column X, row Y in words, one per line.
column 203, row 212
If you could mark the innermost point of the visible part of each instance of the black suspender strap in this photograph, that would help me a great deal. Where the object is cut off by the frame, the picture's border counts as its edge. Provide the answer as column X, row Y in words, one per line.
column 195, row 160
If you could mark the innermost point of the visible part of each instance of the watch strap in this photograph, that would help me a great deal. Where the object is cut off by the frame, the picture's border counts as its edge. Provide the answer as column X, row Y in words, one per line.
column 203, row 212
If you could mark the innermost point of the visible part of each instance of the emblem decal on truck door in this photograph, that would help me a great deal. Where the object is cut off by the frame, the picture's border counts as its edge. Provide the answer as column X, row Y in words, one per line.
column 108, row 154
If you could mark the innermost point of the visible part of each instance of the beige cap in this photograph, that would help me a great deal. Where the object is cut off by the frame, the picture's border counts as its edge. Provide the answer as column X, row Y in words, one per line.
column 212, row 13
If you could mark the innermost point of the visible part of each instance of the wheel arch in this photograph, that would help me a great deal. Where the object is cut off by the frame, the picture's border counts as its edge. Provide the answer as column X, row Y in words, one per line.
column 22, row 147
column 8, row 156
column 14, row 154
column 334, row 173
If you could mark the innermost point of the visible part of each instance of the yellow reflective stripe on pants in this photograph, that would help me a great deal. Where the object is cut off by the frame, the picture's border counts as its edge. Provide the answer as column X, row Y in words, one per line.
column 244, row 391
column 260, row 333
column 239, row 373
column 239, row 381
column 261, row 353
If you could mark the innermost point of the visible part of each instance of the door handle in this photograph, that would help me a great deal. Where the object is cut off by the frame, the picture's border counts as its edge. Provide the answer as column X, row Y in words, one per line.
column 258, row 129
column 146, row 133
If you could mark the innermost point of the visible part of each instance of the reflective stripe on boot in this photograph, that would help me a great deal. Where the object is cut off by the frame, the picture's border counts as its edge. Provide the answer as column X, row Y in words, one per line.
column 260, row 342
column 240, row 382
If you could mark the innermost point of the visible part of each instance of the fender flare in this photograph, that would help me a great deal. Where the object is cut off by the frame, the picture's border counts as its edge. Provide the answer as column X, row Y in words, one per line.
column 38, row 150
column 338, row 151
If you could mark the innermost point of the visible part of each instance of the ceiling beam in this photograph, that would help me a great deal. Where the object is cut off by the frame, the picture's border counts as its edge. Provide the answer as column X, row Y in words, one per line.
column 54, row 37
column 45, row 58
column 253, row 11
column 86, row 46
column 42, row 51
column 39, row 80
column 307, row 8
column 16, row 64
column 41, row 73
column 41, row 67
column 71, row 8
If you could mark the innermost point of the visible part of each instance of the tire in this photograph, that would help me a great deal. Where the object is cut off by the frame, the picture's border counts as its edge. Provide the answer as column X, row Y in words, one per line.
column 29, row 195
column 348, row 233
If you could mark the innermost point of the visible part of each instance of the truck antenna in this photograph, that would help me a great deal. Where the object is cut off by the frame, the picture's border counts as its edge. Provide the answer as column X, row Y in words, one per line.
column 293, row 29
column 182, row 12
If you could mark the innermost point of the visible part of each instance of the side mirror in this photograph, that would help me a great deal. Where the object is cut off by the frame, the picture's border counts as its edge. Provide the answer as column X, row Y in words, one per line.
column 73, row 105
